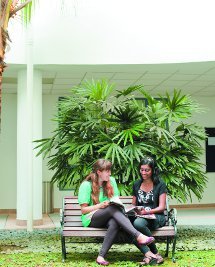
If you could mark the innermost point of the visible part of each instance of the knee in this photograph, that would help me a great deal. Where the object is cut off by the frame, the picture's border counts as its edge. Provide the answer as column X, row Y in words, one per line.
column 140, row 224
column 112, row 209
column 113, row 225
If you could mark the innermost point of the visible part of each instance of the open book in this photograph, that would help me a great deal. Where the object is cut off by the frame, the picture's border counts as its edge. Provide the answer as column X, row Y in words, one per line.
column 146, row 216
column 116, row 201
column 131, row 209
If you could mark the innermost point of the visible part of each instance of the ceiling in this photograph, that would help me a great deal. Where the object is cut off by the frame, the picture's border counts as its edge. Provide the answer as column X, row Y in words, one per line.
column 196, row 79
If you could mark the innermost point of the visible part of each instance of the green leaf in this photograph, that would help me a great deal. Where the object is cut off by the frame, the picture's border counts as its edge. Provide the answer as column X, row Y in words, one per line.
column 92, row 123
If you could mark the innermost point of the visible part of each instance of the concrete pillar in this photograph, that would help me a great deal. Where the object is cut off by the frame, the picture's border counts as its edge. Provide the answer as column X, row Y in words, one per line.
column 37, row 134
column 22, row 152
column 29, row 167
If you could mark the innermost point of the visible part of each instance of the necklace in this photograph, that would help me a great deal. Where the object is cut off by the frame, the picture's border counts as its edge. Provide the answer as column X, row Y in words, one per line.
column 146, row 187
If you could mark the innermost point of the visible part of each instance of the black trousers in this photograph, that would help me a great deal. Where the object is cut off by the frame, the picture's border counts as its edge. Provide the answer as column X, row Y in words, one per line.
column 112, row 218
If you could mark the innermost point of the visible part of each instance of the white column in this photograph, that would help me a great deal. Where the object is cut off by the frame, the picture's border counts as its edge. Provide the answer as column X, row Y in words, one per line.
column 29, row 167
column 30, row 89
column 24, row 151
column 22, row 144
column 37, row 134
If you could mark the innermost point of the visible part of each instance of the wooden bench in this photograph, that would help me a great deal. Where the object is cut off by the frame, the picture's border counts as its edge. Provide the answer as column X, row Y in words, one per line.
column 71, row 225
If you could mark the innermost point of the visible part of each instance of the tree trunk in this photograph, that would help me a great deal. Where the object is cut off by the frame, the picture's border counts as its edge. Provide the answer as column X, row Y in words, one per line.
column 4, row 18
column 2, row 63
column 7, row 10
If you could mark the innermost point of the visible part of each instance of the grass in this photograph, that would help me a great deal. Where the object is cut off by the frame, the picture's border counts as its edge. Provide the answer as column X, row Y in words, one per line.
column 184, row 259
column 195, row 248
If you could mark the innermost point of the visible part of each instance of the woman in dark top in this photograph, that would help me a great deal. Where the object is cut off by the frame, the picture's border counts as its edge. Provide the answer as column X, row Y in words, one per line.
column 149, row 192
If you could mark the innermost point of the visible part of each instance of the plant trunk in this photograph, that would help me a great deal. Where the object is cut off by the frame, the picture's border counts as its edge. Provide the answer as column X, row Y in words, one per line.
column 6, row 12
column 2, row 64
column 4, row 18
column 0, row 95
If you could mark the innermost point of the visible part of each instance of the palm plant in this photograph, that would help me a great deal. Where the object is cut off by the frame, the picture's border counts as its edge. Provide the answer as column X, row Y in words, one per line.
column 93, row 123
column 8, row 9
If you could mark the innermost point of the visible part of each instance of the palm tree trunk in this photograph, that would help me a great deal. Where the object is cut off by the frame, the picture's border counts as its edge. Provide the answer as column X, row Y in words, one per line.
column 4, row 18
column 8, row 9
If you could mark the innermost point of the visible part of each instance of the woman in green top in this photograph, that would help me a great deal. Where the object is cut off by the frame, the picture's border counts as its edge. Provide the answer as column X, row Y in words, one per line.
column 94, row 195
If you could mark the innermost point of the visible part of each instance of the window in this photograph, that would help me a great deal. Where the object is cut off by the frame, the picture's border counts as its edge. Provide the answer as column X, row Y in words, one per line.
column 210, row 150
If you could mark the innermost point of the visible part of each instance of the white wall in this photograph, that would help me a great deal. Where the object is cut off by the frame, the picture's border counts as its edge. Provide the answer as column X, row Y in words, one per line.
column 206, row 119
column 117, row 32
column 49, row 112
column 8, row 152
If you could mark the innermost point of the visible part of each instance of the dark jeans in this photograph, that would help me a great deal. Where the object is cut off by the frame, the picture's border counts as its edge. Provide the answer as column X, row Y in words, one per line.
column 112, row 218
column 145, row 226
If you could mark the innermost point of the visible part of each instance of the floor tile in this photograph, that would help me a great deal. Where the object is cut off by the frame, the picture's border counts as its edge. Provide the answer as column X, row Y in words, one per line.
column 3, row 219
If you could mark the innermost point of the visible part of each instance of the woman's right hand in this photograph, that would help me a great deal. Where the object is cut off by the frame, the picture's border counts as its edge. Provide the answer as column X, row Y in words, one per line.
column 104, row 204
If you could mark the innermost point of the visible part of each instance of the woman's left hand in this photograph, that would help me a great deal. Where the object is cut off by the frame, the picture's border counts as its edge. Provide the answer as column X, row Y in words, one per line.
column 143, row 212
column 104, row 204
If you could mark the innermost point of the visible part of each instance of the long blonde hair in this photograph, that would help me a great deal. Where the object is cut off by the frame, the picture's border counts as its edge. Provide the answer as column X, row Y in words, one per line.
column 100, row 165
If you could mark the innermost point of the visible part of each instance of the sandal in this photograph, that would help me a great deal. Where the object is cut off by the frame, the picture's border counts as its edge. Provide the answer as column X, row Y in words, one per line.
column 159, row 259
column 148, row 261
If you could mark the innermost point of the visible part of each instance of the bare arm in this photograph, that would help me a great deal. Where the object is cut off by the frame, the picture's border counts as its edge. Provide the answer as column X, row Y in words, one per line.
column 134, row 199
column 86, row 209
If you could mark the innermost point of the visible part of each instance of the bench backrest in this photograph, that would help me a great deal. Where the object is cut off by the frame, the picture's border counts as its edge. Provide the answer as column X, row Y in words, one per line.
column 72, row 210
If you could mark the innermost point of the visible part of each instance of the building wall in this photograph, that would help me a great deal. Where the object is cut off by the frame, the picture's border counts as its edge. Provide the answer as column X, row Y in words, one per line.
column 8, row 149
column 206, row 119
column 8, row 152
column 49, row 111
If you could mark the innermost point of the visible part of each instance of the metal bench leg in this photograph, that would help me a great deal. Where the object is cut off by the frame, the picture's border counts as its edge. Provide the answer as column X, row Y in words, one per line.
column 173, row 249
column 167, row 246
column 63, row 245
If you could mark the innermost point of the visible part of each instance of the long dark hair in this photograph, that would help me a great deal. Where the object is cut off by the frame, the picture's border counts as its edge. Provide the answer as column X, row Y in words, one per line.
column 100, row 165
column 147, row 160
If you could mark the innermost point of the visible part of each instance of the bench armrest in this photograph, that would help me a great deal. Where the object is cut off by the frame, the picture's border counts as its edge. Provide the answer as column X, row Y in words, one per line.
column 172, row 215
column 61, row 217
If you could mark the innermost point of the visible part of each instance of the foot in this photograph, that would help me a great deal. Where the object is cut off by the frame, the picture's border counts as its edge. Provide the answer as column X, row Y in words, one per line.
column 101, row 261
column 145, row 241
column 148, row 261
column 149, row 254
column 159, row 258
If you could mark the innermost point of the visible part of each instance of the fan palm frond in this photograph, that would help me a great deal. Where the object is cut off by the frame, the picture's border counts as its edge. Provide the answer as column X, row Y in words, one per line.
column 93, row 124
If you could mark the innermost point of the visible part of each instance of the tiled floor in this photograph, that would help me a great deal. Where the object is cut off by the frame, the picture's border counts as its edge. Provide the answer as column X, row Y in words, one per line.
column 49, row 221
column 185, row 217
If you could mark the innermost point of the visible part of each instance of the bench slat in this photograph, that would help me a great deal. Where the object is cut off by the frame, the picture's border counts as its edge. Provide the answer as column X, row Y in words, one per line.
column 76, row 218
column 91, row 231
column 70, row 219
column 73, row 224
column 84, row 234
column 74, row 200
column 72, row 212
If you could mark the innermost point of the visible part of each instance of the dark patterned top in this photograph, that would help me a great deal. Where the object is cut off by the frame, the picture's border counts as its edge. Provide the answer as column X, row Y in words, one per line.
column 146, row 199
column 158, row 189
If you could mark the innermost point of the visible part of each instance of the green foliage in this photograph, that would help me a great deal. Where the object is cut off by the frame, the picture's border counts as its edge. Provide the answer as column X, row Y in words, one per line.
column 93, row 123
